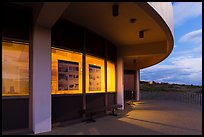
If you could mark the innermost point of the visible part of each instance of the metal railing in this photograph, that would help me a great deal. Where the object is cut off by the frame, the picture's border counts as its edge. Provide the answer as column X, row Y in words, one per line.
column 186, row 97
column 192, row 98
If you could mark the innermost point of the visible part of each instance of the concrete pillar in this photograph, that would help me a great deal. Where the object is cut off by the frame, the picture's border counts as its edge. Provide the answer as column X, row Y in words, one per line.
column 41, row 80
column 137, row 85
column 120, row 86
column 45, row 16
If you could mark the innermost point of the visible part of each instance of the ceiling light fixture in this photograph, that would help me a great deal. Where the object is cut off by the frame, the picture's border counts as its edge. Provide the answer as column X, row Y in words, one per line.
column 141, row 34
column 132, row 20
column 115, row 9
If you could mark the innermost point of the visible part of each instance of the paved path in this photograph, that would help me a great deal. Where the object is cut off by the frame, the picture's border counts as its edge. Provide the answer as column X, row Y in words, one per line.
column 150, row 117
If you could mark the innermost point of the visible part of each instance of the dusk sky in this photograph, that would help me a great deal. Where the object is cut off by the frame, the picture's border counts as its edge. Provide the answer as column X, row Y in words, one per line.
column 184, row 64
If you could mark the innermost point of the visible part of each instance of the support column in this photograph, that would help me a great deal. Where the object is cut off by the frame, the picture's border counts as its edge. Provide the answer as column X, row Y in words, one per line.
column 120, row 86
column 45, row 15
column 137, row 85
column 41, row 78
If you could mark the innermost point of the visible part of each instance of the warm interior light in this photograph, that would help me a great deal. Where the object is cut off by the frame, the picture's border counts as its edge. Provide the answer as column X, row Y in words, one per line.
column 94, row 84
column 110, row 77
column 58, row 54
column 15, row 68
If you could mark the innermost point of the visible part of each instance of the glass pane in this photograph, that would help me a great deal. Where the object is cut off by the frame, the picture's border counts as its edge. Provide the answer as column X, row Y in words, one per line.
column 66, row 72
column 15, row 69
column 94, row 75
column 110, row 77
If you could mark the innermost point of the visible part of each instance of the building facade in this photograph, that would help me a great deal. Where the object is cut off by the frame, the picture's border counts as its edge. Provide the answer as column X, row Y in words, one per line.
column 59, row 58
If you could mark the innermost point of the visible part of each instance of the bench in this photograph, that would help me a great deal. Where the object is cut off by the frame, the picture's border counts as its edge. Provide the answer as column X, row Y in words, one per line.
column 113, row 109
column 90, row 112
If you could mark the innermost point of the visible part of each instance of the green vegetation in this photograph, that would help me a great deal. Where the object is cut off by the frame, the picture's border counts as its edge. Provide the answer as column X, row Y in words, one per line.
column 159, row 87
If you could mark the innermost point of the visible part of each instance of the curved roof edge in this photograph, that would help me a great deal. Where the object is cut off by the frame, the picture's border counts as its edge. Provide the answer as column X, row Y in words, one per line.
column 162, row 13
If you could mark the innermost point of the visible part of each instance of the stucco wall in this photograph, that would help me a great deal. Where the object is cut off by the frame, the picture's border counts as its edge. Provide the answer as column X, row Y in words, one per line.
column 165, row 10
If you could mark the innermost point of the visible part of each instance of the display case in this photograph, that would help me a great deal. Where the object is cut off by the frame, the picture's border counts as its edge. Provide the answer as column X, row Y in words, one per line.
column 15, row 68
column 66, row 72
column 95, row 75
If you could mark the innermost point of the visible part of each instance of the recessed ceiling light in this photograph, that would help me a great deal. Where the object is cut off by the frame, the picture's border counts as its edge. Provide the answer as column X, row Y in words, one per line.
column 133, row 20
column 115, row 10
column 141, row 34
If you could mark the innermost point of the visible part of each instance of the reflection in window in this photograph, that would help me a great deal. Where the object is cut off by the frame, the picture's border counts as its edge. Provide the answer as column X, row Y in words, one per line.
column 94, row 75
column 66, row 72
column 110, row 77
column 15, row 68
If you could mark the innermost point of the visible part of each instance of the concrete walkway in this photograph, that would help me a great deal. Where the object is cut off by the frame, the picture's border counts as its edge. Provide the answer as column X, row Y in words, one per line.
column 150, row 117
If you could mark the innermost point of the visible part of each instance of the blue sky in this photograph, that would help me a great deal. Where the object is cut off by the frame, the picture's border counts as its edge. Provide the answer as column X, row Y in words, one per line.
column 184, row 64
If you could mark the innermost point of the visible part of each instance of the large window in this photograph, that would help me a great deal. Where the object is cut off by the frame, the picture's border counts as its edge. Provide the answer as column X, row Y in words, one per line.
column 110, row 76
column 15, row 68
column 66, row 72
column 94, row 75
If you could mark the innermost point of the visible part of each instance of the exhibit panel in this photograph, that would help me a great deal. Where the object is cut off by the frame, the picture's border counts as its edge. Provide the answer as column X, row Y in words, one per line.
column 66, row 72
column 95, row 82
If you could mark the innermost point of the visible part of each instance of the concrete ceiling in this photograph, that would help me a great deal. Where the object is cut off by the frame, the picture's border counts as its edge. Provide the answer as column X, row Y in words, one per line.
column 97, row 16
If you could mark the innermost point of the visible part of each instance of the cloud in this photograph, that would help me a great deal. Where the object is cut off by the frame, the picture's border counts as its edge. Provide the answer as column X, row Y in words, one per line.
column 194, row 52
column 184, row 65
column 193, row 36
column 183, row 11
column 182, row 69
column 187, row 63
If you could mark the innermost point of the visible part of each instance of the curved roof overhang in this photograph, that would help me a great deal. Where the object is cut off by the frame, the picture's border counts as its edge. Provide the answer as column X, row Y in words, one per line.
column 154, row 18
column 138, row 53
